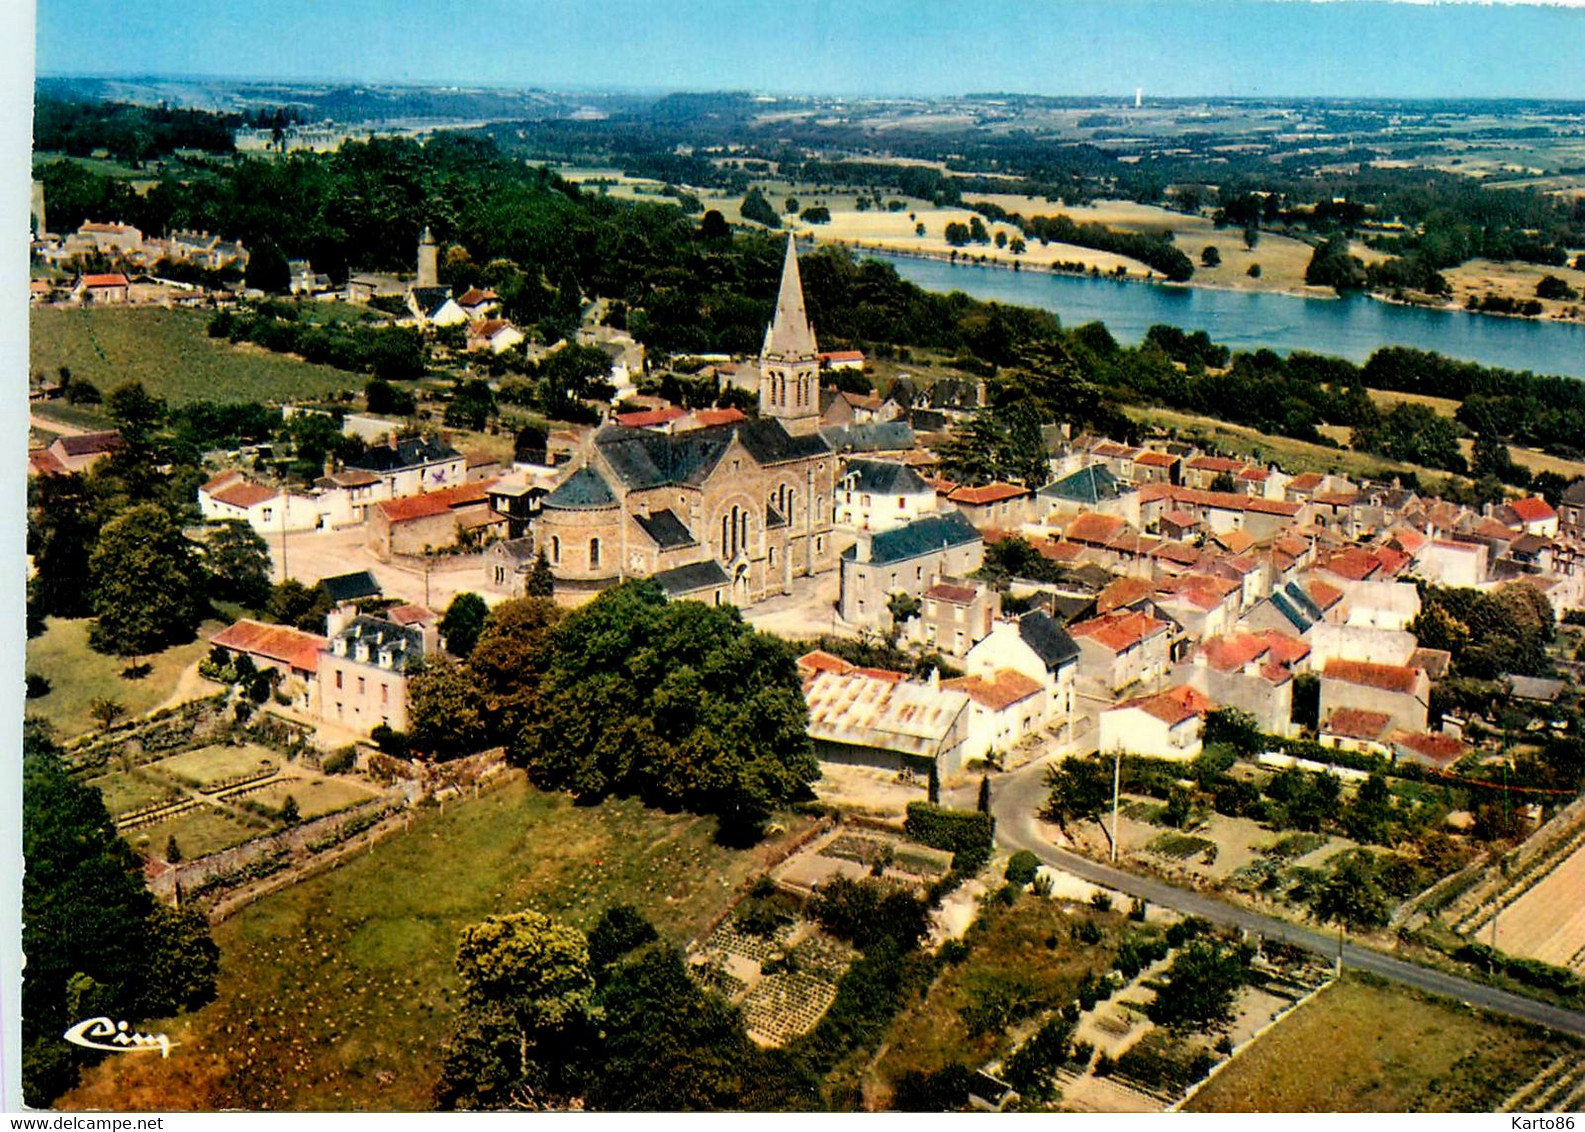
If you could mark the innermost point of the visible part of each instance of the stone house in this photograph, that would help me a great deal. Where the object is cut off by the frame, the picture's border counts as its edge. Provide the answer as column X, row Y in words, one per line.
column 410, row 465
column 1117, row 650
column 363, row 674
column 1252, row 672
column 1401, row 693
column 908, row 559
column 109, row 287
column 1038, row 647
column 1005, row 707
column 80, row 452
column 954, row 615
column 433, row 521
column 507, row 565
column 279, row 648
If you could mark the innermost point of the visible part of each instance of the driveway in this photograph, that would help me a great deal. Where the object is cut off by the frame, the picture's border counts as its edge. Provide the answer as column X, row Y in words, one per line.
column 1016, row 797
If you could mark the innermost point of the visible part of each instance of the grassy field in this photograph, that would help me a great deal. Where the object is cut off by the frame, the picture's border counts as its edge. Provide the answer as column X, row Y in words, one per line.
column 1293, row 455
column 125, row 791
column 78, row 675
column 170, row 352
column 1027, row 955
column 1364, row 1046
column 207, row 765
column 336, row 993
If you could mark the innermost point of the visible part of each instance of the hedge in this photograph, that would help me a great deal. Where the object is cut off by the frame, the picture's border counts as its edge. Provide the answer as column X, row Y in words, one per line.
column 966, row 834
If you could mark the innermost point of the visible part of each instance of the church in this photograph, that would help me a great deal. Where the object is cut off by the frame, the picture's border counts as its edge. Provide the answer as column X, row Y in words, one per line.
column 728, row 513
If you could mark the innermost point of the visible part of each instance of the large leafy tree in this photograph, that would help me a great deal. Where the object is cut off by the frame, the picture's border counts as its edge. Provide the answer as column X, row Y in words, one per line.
column 1201, row 986
column 508, row 660
column 443, row 712
column 677, row 702
column 526, row 989
column 147, row 585
column 1352, row 896
column 96, row 942
column 238, row 563
column 463, row 622
column 61, row 534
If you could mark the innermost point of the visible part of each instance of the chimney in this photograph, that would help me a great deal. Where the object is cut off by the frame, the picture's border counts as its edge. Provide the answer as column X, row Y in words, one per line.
column 861, row 552
column 390, row 439
column 330, row 465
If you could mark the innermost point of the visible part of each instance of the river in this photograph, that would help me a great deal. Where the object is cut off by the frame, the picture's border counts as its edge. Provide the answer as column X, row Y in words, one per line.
column 1350, row 327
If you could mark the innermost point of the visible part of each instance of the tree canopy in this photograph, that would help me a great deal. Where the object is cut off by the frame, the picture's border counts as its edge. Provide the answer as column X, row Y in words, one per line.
column 147, row 585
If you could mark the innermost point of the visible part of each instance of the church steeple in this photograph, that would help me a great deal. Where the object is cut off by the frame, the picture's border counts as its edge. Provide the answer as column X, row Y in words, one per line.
column 789, row 335
column 428, row 261
column 789, row 384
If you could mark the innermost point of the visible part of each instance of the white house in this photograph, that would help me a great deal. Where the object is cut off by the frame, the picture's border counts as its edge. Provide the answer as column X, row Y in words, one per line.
column 1166, row 725
column 1003, row 708
column 493, row 334
column 1037, row 647
column 880, row 495
column 267, row 510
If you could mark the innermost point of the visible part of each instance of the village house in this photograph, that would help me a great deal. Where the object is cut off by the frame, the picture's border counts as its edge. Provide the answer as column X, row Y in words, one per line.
column 1571, row 516
column 409, row 466
column 507, row 565
column 879, row 495
column 838, row 360
column 1005, row 708
column 110, row 287
column 363, row 675
column 279, row 648
column 1356, row 729
column 1036, row 645
column 1118, row 650
column 999, row 506
column 1533, row 515
column 1401, row 693
column 1252, row 672
column 268, row 510
column 80, row 452
column 908, row 559
column 435, row 520
column 479, row 304
column 1166, row 725
column 954, row 615
column 493, row 334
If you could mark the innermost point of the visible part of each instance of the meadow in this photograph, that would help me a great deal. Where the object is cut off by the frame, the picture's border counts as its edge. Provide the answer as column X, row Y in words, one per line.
column 337, row 993
column 78, row 675
column 1364, row 1045
column 171, row 353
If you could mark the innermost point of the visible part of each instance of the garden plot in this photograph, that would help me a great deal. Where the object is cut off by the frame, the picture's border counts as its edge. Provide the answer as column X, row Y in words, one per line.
column 1548, row 921
column 214, row 768
column 858, row 853
column 126, row 792
column 784, row 981
column 315, row 796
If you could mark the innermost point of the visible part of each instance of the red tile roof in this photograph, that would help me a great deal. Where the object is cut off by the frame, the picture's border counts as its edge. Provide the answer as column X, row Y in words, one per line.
column 1387, row 677
column 1097, row 530
column 1355, row 723
column 1000, row 693
column 90, row 443
column 1435, row 748
column 821, row 661
column 990, row 493
column 1533, row 509
column 410, row 614
column 274, row 642
column 957, row 595
column 1156, row 459
column 1216, row 464
column 43, row 462
column 707, row 418
column 433, row 503
column 649, row 417
column 1173, row 706
column 473, row 297
column 244, row 495
column 842, row 356
column 113, row 279
column 487, row 327
column 1123, row 592
column 1119, row 631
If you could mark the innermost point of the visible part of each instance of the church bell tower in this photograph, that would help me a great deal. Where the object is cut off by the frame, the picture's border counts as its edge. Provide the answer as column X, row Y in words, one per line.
column 789, row 363
column 428, row 261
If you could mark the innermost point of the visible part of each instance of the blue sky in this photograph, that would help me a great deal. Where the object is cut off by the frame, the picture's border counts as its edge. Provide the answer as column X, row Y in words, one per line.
column 1170, row 47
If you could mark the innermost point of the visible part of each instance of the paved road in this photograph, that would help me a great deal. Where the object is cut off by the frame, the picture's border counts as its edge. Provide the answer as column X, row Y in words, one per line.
column 1015, row 799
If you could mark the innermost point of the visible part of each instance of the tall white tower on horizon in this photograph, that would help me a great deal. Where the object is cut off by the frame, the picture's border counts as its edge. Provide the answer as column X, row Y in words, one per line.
column 428, row 261
column 1139, row 97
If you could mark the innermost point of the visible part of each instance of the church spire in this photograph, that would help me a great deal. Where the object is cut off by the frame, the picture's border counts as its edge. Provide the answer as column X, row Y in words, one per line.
column 789, row 334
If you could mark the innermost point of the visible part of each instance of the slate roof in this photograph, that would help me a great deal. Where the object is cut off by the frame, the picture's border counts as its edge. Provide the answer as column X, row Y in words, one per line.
column 1090, row 485
column 410, row 452
column 922, row 536
column 1049, row 640
column 665, row 529
column 431, row 299
column 692, row 578
column 789, row 335
column 349, row 587
column 769, row 443
column 405, row 642
column 883, row 477
column 877, row 436
column 641, row 458
column 584, row 489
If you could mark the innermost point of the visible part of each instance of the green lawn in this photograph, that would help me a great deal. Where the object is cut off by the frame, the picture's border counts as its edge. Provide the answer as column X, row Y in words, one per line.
column 315, row 796
column 198, row 832
column 171, row 353
column 125, row 791
column 219, row 763
column 1369, row 1046
column 336, row 993
column 78, row 675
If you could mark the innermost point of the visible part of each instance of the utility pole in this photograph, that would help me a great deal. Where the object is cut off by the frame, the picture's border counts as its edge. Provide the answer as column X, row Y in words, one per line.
column 1117, row 782
column 285, row 573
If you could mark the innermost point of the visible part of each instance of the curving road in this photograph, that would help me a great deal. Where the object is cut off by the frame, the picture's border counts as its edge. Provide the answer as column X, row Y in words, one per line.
column 1017, row 796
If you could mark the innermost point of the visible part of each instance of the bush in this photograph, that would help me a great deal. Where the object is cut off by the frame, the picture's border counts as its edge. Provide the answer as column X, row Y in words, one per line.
column 967, row 834
column 1101, row 901
column 390, row 741
column 1021, row 869
column 339, row 761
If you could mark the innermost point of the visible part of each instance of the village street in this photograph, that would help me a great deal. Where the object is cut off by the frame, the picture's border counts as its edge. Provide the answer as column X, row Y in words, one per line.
column 1016, row 797
column 312, row 555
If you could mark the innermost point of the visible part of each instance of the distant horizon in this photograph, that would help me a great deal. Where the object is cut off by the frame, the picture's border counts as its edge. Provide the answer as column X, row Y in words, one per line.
column 1216, row 49
column 652, row 89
